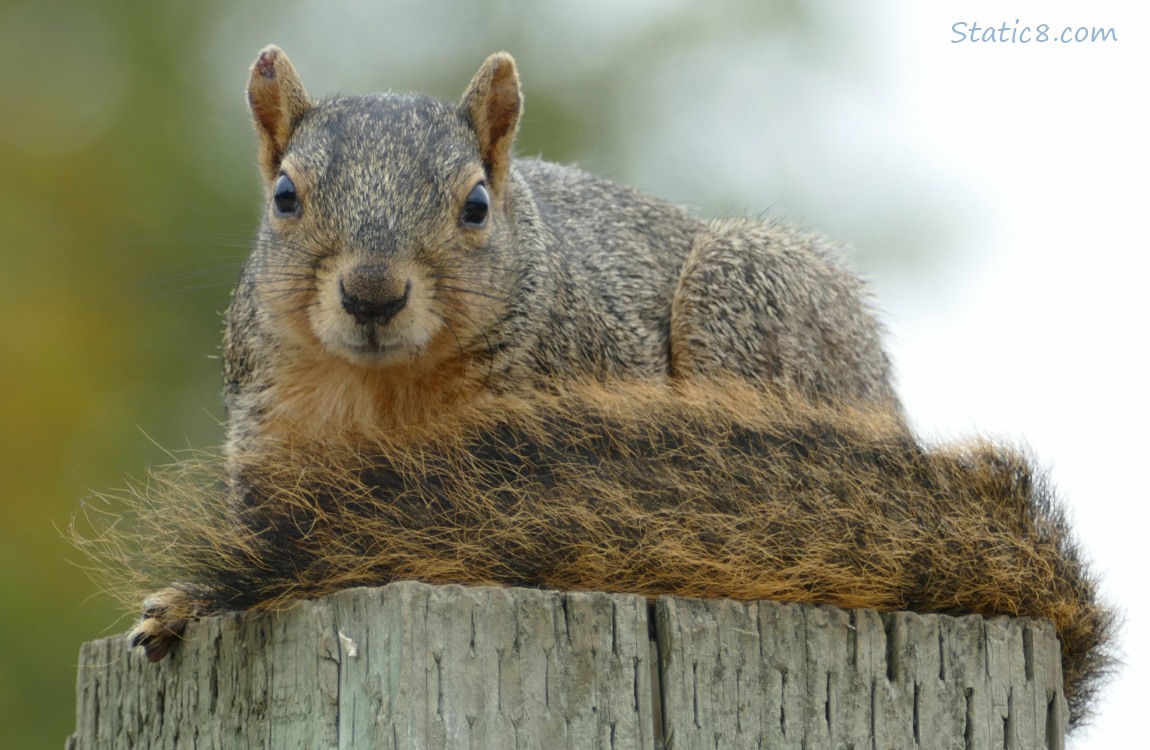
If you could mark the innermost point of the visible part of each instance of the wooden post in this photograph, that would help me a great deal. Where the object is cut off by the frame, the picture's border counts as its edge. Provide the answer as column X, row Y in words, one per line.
column 415, row 666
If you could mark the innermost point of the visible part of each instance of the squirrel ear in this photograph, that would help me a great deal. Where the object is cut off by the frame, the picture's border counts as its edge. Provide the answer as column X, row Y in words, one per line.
column 492, row 105
column 278, row 100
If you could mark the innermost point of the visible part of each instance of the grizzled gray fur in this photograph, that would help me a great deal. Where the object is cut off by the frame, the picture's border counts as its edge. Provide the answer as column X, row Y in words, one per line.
column 405, row 261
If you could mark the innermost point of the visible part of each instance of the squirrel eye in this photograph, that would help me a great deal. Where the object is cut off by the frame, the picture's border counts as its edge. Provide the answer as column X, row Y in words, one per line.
column 476, row 207
column 284, row 197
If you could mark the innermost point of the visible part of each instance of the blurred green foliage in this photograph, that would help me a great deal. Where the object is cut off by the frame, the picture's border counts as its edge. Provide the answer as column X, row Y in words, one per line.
column 127, row 194
column 104, row 356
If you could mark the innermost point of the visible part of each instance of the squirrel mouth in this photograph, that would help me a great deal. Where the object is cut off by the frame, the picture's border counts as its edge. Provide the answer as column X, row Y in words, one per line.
column 365, row 344
column 371, row 344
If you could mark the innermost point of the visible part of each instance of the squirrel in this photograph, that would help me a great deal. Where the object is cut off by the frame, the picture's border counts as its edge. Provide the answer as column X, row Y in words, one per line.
column 406, row 262
column 447, row 364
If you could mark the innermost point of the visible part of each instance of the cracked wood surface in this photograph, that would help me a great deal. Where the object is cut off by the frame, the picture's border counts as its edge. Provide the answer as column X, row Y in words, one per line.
column 415, row 666
column 769, row 675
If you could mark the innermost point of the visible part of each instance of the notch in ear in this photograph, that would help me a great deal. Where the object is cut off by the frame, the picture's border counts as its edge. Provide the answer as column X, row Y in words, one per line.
column 492, row 105
column 278, row 100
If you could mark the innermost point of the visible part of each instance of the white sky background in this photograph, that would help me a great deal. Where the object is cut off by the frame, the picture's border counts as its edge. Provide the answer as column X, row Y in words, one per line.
column 1042, row 335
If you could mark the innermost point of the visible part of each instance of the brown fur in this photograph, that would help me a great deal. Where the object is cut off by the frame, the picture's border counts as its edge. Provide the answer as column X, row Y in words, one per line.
column 493, row 102
column 326, row 396
column 723, row 491
column 278, row 100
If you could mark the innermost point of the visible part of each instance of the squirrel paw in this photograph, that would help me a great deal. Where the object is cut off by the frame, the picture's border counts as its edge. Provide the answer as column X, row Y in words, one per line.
column 162, row 623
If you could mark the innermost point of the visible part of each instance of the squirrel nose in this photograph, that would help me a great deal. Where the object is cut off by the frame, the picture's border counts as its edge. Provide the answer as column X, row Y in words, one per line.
column 368, row 294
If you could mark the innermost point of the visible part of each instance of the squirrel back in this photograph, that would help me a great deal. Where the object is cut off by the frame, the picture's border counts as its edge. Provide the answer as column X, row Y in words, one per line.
column 405, row 263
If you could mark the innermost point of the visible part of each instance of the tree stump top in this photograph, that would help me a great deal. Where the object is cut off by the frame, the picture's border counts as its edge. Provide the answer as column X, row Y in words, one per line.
column 410, row 665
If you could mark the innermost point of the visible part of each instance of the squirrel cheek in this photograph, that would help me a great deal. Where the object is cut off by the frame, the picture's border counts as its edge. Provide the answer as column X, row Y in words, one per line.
column 325, row 313
column 415, row 325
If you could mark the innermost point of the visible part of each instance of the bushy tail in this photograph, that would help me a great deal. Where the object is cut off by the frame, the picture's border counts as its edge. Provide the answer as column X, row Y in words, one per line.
column 722, row 491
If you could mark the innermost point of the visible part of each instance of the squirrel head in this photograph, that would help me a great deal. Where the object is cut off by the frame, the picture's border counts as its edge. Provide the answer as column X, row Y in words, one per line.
column 388, row 218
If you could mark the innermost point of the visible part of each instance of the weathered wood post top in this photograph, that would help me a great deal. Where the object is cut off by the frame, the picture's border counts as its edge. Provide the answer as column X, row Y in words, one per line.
column 410, row 665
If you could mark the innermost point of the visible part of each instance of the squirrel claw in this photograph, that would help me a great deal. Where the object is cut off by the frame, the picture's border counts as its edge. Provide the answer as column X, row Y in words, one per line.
column 158, row 628
column 156, row 636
